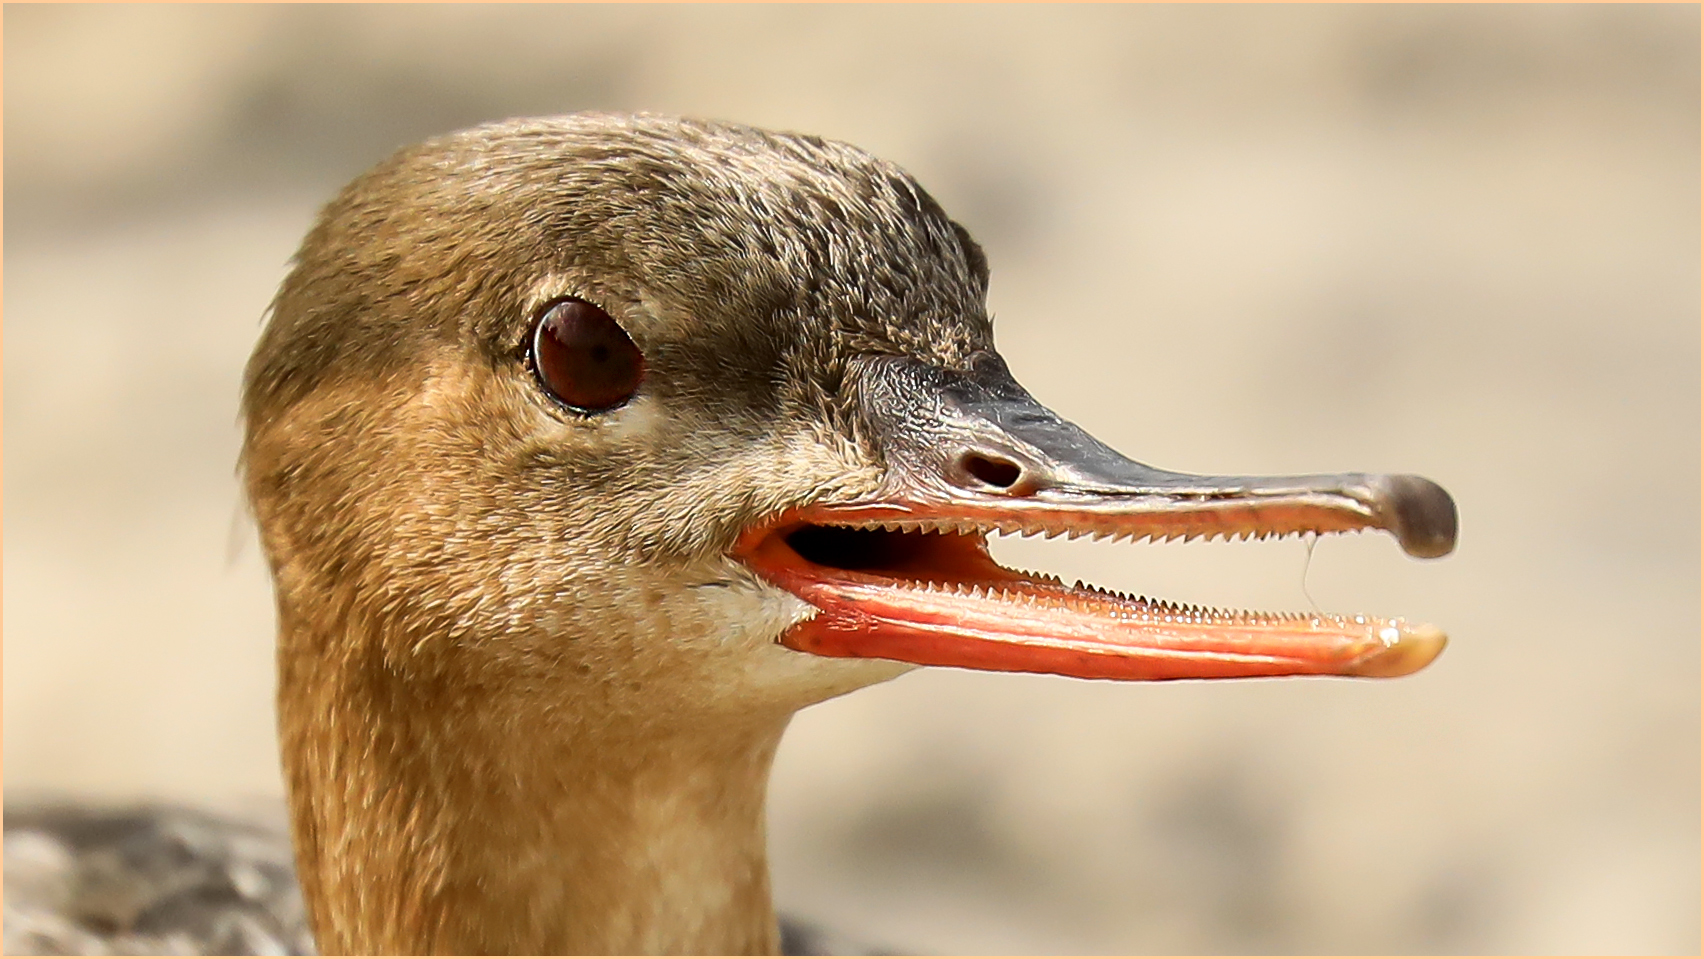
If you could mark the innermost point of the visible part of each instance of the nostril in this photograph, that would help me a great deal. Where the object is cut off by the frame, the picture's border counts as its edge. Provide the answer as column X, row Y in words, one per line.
column 1002, row 474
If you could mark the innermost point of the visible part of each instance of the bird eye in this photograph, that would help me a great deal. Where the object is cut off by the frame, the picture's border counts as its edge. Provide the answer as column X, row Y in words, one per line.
column 584, row 358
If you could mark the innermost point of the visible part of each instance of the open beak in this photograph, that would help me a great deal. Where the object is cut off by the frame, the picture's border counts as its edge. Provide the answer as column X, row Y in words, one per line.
column 906, row 574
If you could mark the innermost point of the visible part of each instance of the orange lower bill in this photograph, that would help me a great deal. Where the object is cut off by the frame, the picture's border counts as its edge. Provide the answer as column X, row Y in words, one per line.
column 939, row 599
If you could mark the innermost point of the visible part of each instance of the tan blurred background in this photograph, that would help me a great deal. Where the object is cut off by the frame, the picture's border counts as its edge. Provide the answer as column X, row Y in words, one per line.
column 1461, row 241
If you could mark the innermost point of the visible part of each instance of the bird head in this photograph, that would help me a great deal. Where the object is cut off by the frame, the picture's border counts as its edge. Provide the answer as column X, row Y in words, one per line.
column 680, row 417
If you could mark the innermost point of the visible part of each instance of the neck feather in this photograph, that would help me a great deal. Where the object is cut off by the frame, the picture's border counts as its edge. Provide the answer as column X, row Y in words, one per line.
column 432, row 817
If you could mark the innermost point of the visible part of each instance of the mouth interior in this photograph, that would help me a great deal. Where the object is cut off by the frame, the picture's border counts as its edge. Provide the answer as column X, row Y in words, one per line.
column 898, row 554
column 843, row 547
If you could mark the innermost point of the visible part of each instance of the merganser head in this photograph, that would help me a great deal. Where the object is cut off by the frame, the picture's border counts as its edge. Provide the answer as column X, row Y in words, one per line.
column 586, row 450
column 699, row 408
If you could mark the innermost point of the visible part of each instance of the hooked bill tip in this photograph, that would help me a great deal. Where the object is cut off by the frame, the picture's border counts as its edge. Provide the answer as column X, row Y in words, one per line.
column 1423, row 514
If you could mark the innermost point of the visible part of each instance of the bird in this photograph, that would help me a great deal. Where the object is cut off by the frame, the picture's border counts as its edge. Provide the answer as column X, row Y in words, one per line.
column 587, row 450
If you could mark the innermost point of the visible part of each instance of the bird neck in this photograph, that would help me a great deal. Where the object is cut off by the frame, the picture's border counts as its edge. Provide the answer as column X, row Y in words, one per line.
column 429, row 818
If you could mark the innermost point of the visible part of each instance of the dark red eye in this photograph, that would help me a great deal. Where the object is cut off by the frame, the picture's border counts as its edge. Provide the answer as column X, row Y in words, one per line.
column 584, row 358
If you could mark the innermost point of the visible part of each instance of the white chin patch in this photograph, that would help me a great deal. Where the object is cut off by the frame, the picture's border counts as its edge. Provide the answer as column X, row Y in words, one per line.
column 756, row 614
column 767, row 611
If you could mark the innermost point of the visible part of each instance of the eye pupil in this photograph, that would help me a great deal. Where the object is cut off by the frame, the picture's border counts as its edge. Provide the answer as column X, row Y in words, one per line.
column 584, row 358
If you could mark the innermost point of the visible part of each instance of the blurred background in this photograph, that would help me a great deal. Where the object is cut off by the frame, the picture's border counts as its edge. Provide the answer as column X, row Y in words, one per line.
column 1461, row 241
